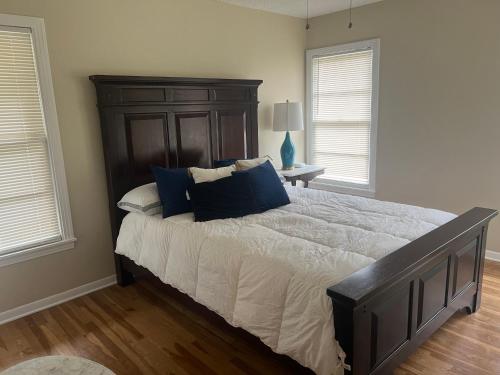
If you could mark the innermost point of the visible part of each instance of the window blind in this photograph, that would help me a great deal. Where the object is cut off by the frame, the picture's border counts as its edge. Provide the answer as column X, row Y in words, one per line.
column 341, row 95
column 28, row 210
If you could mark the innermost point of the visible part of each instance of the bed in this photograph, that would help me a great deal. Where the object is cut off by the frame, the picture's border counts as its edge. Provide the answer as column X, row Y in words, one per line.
column 358, row 284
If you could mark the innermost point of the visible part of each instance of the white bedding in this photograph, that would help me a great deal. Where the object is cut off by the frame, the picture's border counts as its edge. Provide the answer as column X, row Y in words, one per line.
column 268, row 273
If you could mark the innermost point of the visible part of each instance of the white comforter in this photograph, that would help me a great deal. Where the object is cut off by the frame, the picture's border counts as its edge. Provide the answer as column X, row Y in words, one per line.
column 268, row 273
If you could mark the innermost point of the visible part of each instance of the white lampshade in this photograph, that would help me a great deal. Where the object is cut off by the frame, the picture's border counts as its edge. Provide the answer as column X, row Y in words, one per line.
column 288, row 117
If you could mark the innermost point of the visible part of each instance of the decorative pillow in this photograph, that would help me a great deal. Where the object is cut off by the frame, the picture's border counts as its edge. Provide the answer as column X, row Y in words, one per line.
column 172, row 189
column 228, row 197
column 224, row 163
column 245, row 164
column 247, row 192
column 242, row 164
column 143, row 199
column 208, row 175
column 266, row 186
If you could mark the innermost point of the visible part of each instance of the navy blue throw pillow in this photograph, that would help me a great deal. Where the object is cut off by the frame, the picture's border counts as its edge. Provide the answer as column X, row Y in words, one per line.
column 247, row 192
column 172, row 187
column 227, row 197
column 267, row 187
column 224, row 163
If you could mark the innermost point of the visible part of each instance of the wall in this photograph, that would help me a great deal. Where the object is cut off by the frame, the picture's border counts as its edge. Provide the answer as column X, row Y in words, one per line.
column 439, row 117
column 192, row 38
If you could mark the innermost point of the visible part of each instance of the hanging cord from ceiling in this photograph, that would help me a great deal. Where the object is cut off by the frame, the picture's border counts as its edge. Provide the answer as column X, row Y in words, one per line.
column 307, row 15
column 350, row 14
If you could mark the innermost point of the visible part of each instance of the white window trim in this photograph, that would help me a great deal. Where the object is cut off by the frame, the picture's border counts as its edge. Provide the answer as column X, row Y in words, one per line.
column 40, row 48
column 340, row 186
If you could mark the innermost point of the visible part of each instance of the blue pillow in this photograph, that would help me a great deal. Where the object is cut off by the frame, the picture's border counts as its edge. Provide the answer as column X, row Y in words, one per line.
column 227, row 197
column 172, row 187
column 266, row 185
column 224, row 163
column 243, row 193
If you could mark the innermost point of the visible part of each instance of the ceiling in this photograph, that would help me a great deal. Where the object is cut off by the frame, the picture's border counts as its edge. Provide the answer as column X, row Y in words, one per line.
column 297, row 8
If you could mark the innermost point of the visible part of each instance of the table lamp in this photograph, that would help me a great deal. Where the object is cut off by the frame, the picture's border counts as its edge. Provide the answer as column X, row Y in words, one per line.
column 288, row 117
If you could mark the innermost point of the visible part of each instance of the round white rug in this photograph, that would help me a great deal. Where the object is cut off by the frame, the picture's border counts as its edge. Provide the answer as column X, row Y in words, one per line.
column 58, row 365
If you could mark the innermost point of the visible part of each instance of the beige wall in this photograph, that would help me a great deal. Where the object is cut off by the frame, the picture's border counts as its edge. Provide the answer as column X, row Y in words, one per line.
column 193, row 38
column 439, row 118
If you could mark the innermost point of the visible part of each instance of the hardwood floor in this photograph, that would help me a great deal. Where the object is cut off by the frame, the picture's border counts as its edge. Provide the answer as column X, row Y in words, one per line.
column 142, row 329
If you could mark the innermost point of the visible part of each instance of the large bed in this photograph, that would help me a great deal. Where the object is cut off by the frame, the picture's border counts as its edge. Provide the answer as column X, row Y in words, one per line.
column 334, row 281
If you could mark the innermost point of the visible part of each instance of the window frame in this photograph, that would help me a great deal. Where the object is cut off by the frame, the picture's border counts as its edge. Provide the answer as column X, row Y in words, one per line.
column 336, row 185
column 42, row 63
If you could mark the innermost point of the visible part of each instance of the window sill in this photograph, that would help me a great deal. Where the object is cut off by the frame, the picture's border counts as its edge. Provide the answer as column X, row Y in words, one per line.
column 36, row 252
column 323, row 184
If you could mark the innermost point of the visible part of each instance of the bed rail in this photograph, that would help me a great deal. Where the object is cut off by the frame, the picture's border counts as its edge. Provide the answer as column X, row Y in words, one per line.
column 386, row 310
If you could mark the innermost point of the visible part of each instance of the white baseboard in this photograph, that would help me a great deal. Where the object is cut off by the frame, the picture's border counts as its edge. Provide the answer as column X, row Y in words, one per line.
column 493, row 255
column 56, row 299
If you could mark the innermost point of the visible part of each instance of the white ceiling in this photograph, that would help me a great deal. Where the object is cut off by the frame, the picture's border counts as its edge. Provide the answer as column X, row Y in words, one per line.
column 297, row 8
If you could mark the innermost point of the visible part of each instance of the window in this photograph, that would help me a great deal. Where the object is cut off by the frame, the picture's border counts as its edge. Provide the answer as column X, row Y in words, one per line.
column 342, row 99
column 34, row 208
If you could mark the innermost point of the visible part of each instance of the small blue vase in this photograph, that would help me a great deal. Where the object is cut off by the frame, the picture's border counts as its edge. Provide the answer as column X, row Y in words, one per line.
column 287, row 152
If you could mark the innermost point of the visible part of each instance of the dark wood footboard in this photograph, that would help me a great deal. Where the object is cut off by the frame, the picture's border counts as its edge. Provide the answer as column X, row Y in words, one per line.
column 385, row 311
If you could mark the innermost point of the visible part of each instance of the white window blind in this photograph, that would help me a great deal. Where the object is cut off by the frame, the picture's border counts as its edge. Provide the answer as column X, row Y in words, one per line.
column 28, row 209
column 341, row 94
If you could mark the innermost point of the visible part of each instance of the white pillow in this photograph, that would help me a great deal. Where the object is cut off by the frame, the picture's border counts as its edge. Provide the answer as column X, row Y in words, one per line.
column 244, row 164
column 209, row 175
column 143, row 199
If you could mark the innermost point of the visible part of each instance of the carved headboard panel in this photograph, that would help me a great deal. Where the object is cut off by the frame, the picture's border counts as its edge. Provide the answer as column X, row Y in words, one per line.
column 174, row 122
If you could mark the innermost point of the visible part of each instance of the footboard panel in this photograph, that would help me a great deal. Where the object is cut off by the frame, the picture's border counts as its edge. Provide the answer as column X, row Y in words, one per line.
column 385, row 311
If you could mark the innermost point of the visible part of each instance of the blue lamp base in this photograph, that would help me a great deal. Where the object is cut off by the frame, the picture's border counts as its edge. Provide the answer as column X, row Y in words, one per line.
column 287, row 152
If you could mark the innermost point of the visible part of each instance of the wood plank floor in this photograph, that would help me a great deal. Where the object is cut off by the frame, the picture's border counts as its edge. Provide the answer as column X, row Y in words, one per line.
column 143, row 329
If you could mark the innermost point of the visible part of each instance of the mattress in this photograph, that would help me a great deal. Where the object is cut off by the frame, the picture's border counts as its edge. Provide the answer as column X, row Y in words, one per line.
column 268, row 273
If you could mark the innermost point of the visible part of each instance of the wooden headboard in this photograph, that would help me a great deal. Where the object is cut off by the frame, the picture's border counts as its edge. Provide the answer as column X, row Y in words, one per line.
column 171, row 122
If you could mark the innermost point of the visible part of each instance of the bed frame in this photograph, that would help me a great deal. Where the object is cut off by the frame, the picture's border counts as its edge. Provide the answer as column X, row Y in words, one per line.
column 382, row 312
